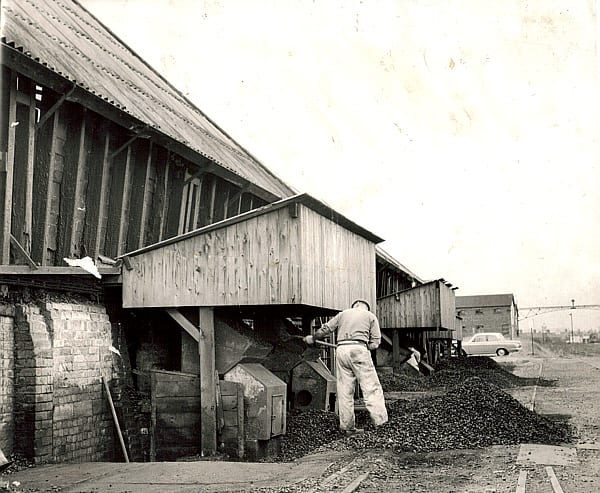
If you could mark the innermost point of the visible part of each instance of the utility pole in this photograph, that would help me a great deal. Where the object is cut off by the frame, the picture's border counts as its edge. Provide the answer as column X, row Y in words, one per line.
column 571, row 315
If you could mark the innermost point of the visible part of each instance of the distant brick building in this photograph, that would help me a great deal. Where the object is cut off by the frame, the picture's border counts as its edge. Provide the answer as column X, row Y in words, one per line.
column 488, row 313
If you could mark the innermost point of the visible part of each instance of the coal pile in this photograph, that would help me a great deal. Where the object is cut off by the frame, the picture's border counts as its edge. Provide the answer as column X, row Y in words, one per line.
column 307, row 431
column 473, row 414
column 453, row 371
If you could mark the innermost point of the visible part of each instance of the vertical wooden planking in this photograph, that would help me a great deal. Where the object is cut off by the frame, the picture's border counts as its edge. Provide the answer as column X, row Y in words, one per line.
column 197, row 202
column 184, row 208
column 80, row 208
column 295, row 243
column 208, row 398
column 141, row 167
column 118, row 165
column 251, row 249
column 126, row 200
column 45, row 161
column 56, row 183
column 6, row 173
column 175, row 196
column 163, row 197
column 148, row 193
column 71, row 186
column 245, row 202
column 212, row 198
column 24, row 162
column 97, row 185
column 283, row 278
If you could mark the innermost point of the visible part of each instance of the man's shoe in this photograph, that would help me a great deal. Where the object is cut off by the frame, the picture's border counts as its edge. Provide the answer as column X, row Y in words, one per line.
column 354, row 431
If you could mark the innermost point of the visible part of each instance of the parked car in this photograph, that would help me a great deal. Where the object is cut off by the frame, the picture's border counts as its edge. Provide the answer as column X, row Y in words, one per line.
column 490, row 344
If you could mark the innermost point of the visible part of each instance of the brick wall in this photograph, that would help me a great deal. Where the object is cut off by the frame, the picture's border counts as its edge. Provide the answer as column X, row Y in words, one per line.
column 82, row 427
column 60, row 407
column 6, row 382
column 491, row 319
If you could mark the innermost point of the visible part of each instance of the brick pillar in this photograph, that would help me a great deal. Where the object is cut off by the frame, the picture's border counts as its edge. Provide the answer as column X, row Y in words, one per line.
column 7, row 377
column 33, row 393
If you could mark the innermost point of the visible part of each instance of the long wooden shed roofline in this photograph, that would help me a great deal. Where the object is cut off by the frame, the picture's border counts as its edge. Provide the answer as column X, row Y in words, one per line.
column 426, row 283
column 303, row 199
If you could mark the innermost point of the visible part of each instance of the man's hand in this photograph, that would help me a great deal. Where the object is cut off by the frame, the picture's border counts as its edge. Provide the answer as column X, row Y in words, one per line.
column 310, row 340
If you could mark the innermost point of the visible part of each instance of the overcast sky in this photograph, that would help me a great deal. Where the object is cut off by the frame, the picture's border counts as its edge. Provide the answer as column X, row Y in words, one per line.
column 465, row 133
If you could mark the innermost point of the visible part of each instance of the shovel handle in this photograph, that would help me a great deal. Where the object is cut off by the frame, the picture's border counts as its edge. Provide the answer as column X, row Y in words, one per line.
column 323, row 343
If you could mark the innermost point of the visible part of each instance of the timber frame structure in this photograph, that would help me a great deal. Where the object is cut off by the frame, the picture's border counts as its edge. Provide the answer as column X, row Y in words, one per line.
column 101, row 157
column 96, row 138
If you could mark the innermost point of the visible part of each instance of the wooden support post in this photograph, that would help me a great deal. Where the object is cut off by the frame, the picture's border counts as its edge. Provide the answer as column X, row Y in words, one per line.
column 104, row 180
column 125, row 202
column 213, row 190
column 6, row 174
column 208, row 399
column 146, row 194
column 164, row 198
column 396, row 349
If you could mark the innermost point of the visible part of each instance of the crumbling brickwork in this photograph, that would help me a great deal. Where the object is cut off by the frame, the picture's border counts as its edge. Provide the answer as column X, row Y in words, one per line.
column 81, row 335
column 33, row 384
column 61, row 355
column 7, row 378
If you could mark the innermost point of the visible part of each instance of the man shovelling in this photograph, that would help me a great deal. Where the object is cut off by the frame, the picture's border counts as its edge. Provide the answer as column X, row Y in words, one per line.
column 358, row 333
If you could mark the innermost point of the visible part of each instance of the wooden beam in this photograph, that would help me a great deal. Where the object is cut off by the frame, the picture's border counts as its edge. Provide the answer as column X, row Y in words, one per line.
column 19, row 249
column 27, row 225
column 184, row 208
column 208, row 398
column 102, row 193
column 125, row 201
column 22, row 270
column 211, row 210
column 184, row 323
column 194, row 224
column 165, row 199
column 6, row 174
column 146, row 197
column 55, row 107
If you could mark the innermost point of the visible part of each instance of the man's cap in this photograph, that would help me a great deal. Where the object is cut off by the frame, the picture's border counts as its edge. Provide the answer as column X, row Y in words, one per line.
column 361, row 301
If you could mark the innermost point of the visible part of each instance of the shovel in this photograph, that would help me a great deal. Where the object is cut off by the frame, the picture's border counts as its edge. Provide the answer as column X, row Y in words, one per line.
column 286, row 337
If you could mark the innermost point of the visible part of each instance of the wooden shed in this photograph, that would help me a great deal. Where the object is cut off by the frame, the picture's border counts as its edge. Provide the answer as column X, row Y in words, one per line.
column 421, row 316
column 294, row 253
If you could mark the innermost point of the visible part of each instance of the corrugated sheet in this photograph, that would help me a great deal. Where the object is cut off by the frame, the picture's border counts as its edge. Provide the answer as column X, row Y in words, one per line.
column 484, row 300
column 387, row 258
column 73, row 43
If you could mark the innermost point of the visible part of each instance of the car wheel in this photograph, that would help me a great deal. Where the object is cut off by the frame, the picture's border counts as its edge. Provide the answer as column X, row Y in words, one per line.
column 501, row 352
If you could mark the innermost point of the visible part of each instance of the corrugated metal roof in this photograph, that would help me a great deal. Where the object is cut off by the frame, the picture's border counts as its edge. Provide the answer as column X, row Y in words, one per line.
column 66, row 38
column 484, row 300
column 386, row 257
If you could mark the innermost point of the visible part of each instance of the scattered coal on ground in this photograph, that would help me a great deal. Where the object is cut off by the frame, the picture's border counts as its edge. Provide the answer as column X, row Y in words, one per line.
column 452, row 371
column 473, row 414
